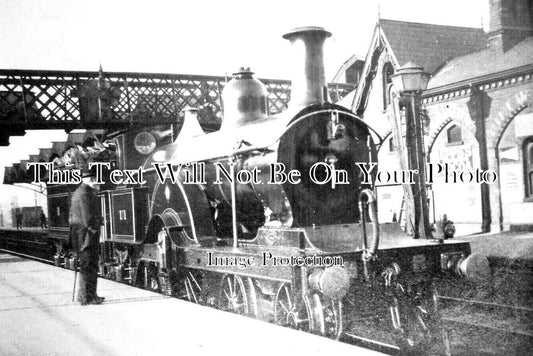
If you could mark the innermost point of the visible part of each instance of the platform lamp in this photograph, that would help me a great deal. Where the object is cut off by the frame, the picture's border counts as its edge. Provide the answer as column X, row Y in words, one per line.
column 410, row 80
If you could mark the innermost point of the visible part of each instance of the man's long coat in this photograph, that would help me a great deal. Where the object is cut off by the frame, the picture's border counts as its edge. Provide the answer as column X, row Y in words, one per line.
column 84, row 218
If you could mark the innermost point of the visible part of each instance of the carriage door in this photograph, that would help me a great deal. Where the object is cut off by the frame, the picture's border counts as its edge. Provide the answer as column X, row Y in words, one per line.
column 129, row 214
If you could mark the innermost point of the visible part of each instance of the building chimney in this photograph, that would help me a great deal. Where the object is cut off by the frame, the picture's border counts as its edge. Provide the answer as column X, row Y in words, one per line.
column 309, row 78
column 510, row 22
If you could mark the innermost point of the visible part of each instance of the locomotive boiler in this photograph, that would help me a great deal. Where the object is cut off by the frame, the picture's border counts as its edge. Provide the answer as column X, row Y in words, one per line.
column 269, row 217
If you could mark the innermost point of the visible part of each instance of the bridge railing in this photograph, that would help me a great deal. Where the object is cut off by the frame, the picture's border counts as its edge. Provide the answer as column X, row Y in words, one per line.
column 35, row 99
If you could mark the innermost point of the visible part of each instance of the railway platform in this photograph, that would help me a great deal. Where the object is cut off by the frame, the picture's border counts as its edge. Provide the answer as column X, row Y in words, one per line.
column 38, row 317
column 513, row 246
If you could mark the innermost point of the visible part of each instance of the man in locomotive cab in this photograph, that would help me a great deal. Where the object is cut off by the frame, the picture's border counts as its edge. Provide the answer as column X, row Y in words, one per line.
column 85, row 236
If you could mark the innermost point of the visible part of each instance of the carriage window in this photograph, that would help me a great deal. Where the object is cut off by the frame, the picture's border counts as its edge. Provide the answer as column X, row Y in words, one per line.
column 454, row 135
column 528, row 166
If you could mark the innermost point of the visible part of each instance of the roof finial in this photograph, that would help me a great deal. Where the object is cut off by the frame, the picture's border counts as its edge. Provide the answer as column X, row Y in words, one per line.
column 379, row 12
column 100, row 72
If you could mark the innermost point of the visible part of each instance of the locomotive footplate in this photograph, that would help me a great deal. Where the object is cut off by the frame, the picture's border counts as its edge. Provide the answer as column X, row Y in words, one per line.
column 250, row 261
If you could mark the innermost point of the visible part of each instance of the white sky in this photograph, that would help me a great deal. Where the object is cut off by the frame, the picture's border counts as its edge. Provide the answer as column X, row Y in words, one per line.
column 198, row 37
column 190, row 37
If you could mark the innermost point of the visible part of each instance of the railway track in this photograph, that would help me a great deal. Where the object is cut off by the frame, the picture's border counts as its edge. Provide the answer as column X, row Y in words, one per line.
column 480, row 325
column 30, row 257
column 28, row 243
column 475, row 326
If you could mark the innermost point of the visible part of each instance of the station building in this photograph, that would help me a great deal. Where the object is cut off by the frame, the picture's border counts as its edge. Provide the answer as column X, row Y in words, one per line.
column 477, row 112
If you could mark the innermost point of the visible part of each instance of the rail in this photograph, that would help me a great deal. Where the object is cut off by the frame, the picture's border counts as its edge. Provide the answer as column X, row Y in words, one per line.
column 31, row 257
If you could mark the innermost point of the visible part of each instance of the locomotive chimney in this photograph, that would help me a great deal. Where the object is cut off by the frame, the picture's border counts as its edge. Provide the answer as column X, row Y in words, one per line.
column 309, row 78
column 191, row 127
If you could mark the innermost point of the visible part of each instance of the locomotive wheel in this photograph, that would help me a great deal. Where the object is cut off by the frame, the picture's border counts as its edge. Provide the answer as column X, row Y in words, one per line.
column 233, row 295
column 289, row 313
column 151, row 278
column 187, row 284
column 327, row 314
column 192, row 288
column 417, row 337
column 251, row 294
column 423, row 332
column 147, row 277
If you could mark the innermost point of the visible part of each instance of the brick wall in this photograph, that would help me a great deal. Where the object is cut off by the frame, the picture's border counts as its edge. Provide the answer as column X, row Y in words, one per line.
column 506, row 102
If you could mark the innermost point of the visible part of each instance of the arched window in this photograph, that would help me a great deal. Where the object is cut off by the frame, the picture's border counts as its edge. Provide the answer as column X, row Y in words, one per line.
column 388, row 71
column 528, row 166
column 454, row 135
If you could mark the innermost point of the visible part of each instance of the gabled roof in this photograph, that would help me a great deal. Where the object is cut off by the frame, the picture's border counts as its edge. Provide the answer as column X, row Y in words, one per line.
column 58, row 147
column 347, row 64
column 10, row 175
column 74, row 139
column 484, row 62
column 19, row 173
column 44, row 154
column 430, row 45
column 34, row 158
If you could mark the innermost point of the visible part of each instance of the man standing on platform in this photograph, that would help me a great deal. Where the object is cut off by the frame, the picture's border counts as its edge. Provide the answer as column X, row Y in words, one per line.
column 85, row 237
column 18, row 217
column 43, row 220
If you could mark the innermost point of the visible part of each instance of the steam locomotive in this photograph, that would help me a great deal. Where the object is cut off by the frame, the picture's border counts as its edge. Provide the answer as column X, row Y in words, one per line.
column 269, row 217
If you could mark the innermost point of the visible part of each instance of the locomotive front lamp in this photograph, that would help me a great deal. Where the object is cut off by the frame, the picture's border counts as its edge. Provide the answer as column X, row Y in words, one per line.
column 410, row 78
column 144, row 143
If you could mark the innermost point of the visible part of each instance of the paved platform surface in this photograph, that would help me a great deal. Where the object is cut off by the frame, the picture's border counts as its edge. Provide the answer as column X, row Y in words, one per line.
column 38, row 317
column 507, row 245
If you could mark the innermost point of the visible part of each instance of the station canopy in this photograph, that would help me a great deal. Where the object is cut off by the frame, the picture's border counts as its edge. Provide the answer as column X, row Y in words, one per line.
column 75, row 152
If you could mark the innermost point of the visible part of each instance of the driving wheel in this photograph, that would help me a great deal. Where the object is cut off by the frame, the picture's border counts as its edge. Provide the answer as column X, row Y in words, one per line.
column 327, row 314
column 233, row 295
column 291, row 313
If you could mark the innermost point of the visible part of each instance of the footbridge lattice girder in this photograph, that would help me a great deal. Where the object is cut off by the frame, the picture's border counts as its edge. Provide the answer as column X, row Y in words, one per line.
column 35, row 99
